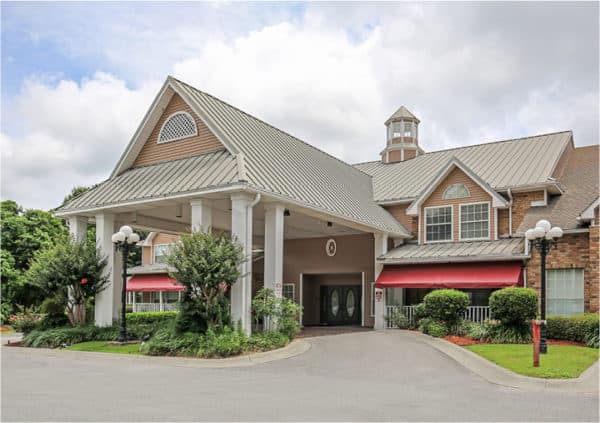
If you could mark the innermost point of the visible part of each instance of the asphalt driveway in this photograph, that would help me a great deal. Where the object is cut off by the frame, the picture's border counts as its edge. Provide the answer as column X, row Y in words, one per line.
column 359, row 376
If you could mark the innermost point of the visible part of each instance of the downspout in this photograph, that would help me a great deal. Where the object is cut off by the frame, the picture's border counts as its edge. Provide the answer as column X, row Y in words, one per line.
column 510, row 232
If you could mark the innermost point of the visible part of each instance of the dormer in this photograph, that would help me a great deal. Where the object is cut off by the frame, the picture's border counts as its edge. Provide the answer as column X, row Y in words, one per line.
column 402, row 137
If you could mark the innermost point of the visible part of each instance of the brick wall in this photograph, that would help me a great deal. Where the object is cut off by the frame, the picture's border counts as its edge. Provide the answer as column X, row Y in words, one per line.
column 521, row 204
column 573, row 251
column 409, row 222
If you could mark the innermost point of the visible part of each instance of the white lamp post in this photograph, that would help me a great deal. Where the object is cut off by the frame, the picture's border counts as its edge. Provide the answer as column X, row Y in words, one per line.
column 124, row 240
column 543, row 237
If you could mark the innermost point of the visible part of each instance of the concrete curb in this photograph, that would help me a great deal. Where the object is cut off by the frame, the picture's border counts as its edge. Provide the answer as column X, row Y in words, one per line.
column 587, row 382
column 293, row 349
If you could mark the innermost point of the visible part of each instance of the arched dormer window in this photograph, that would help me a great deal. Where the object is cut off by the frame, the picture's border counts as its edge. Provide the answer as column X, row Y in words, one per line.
column 456, row 191
column 178, row 126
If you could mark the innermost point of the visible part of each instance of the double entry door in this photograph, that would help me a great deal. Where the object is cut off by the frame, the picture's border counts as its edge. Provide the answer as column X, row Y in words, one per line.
column 340, row 304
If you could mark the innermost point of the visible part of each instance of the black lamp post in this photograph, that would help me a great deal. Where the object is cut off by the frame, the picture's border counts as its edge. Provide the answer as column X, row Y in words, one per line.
column 124, row 240
column 543, row 237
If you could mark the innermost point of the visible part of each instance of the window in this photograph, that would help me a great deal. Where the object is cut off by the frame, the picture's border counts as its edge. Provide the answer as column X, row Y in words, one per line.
column 438, row 223
column 475, row 221
column 372, row 299
column 160, row 253
column 456, row 191
column 408, row 131
column 178, row 126
column 288, row 291
column 394, row 130
column 564, row 292
column 393, row 296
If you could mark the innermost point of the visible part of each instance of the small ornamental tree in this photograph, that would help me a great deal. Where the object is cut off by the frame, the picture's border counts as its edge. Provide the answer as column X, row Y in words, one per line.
column 207, row 265
column 72, row 272
column 514, row 307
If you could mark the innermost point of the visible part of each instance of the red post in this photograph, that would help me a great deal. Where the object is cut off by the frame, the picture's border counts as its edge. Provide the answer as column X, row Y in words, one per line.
column 536, row 342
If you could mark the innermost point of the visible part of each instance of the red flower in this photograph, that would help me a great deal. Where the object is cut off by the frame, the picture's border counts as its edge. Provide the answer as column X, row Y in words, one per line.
column 223, row 286
column 84, row 281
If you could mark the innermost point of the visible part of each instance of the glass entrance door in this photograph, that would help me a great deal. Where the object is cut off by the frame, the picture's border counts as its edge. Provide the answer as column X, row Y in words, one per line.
column 341, row 305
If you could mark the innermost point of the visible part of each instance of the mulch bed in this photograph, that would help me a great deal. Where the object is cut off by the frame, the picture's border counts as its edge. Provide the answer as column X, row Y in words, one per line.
column 561, row 342
column 462, row 341
column 4, row 329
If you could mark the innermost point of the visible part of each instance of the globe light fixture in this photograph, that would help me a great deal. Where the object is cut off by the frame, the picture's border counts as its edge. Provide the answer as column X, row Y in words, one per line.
column 543, row 237
column 124, row 240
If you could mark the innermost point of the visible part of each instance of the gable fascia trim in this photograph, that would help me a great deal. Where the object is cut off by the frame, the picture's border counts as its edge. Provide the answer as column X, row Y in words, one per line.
column 497, row 200
column 588, row 213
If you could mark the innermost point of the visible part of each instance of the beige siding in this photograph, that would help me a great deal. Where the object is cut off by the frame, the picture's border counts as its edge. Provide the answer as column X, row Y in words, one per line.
column 478, row 194
column 204, row 142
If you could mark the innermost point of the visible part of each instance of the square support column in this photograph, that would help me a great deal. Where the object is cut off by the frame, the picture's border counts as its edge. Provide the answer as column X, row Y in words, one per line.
column 241, row 231
column 274, row 248
column 201, row 215
column 381, row 242
column 78, row 227
column 108, row 301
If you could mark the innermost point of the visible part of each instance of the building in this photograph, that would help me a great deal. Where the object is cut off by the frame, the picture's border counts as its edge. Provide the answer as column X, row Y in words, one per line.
column 351, row 242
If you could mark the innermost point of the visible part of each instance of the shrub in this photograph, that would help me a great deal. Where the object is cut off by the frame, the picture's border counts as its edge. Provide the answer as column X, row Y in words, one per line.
column 514, row 306
column 433, row 327
column 398, row 319
column 462, row 327
column 163, row 317
column 225, row 344
column 445, row 305
column 25, row 321
column 55, row 316
column 264, row 341
column 581, row 328
column 420, row 312
column 282, row 310
column 167, row 342
column 495, row 332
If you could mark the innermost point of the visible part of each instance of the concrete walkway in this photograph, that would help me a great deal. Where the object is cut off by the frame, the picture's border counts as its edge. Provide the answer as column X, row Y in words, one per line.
column 362, row 376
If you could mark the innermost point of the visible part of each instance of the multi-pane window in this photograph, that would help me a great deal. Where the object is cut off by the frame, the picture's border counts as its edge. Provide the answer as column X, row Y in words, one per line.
column 564, row 292
column 160, row 253
column 394, row 130
column 438, row 223
column 456, row 191
column 408, row 129
column 475, row 221
column 288, row 291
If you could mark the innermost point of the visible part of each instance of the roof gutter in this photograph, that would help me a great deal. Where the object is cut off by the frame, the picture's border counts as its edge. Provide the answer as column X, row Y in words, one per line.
column 453, row 259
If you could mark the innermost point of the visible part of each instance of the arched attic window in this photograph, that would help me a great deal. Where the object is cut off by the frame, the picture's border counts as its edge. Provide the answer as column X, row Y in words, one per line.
column 178, row 126
column 456, row 191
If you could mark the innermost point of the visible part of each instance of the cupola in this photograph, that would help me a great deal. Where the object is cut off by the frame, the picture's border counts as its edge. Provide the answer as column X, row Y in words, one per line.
column 402, row 134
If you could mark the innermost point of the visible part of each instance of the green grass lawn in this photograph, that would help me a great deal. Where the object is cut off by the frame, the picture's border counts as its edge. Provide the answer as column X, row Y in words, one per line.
column 103, row 346
column 561, row 361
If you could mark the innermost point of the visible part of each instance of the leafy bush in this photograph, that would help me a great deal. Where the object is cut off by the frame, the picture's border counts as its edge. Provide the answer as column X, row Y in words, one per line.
column 398, row 319
column 495, row 332
column 581, row 328
column 54, row 314
column 54, row 338
column 433, row 327
column 592, row 340
column 25, row 321
column 514, row 307
column 264, row 341
column 225, row 344
column 167, row 342
column 445, row 305
column 420, row 312
column 163, row 317
column 462, row 328
column 265, row 305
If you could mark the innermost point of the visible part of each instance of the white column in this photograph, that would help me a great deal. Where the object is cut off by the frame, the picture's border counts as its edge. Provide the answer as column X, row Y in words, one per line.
column 274, row 248
column 201, row 215
column 160, row 301
column 241, row 230
column 381, row 241
column 133, row 302
column 78, row 227
column 108, row 301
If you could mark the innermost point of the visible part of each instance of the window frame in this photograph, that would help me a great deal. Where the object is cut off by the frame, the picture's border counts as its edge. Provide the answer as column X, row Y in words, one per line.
column 460, row 221
column 181, row 112
column 444, row 197
column 573, row 269
column 451, row 224
column 154, row 251
column 293, row 290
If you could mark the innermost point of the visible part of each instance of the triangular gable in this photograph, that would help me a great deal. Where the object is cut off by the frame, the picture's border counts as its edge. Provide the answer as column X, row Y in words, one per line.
column 588, row 213
column 152, row 120
column 497, row 199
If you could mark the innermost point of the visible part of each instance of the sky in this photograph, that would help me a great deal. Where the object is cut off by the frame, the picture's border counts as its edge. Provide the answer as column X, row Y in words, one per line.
column 77, row 78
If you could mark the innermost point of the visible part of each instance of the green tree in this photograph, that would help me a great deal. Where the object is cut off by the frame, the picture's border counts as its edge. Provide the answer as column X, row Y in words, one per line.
column 207, row 265
column 71, row 271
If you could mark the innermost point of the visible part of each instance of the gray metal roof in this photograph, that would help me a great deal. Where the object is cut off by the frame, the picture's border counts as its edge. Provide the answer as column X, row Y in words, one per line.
column 402, row 112
column 162, row 179
column 512, row 163
column 268, row 159
column 282, row 164
column 503, row 249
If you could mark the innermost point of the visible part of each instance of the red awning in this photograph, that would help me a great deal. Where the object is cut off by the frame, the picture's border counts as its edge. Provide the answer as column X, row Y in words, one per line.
column 460, row 275
column 153, row 282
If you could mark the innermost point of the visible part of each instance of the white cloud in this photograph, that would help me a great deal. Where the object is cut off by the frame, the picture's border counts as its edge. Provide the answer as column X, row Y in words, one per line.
column 330, row 76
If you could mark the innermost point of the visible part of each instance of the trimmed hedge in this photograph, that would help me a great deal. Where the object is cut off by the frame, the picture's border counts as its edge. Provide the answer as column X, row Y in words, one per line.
column 445, row 305
column 581, row 328
column 514, row 307
column 148, row 318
